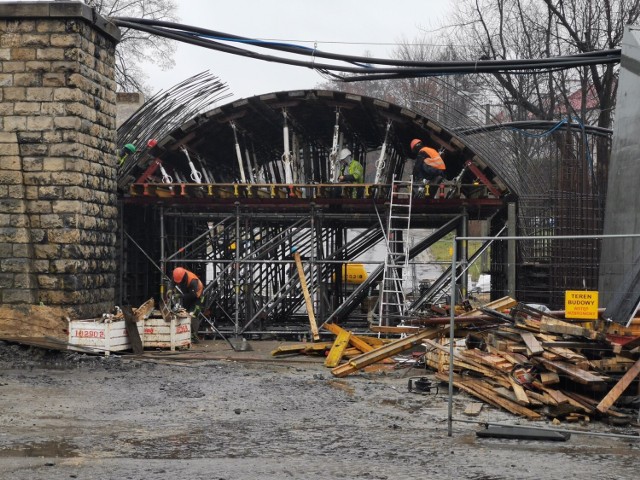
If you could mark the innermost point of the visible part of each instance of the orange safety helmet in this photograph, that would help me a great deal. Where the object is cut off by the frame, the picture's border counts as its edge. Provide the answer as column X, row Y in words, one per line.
column 415, row 142
column 178, row 274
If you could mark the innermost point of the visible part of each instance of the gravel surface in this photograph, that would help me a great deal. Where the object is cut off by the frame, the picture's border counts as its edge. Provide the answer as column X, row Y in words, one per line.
column 70, row 415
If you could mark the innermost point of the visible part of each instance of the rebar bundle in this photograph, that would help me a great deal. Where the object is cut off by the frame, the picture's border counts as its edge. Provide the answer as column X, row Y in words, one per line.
column 166, row 111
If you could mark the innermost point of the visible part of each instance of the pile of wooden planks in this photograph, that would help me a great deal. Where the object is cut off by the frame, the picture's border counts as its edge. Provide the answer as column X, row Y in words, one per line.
column 536, row 364
column 509, row 355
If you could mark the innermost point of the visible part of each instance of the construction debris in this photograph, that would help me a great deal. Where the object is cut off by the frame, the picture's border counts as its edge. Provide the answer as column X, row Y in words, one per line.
column 530, row 363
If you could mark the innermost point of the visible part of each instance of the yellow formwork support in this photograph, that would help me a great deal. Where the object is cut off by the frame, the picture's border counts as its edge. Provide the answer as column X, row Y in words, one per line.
column 337, row 350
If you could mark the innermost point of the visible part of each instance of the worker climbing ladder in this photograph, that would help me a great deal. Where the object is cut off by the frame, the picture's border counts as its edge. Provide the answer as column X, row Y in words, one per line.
column 392, row 299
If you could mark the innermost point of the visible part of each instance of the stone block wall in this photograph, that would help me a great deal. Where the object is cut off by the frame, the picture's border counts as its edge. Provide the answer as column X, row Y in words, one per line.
column 58, row 204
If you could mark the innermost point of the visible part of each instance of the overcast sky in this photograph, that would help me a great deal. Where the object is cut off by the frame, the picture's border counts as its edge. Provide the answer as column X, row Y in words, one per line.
column 339, row 26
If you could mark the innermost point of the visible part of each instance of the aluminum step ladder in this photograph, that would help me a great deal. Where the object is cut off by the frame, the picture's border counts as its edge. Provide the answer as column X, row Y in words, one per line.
column 392, row 299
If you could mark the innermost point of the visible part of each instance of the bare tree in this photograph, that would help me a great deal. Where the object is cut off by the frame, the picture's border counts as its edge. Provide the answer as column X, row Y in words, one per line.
column 509, row 29
column 137, row 47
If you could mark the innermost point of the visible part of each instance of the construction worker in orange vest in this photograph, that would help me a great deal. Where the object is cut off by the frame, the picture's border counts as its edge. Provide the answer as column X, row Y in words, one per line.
column 191, row 289
column 190, row 286
column 429, row 165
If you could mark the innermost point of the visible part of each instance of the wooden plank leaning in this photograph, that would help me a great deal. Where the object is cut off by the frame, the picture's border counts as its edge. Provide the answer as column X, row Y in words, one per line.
column 619, row 388
column 132, row 330
column 307, row 298
column 532, row 343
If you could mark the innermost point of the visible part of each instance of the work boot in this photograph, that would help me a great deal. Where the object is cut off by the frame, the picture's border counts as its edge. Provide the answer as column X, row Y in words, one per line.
column 195, row 326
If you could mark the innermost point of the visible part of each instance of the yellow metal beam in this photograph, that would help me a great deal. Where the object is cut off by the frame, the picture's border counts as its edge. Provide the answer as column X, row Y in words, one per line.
column 337, row 350
column 353, row 339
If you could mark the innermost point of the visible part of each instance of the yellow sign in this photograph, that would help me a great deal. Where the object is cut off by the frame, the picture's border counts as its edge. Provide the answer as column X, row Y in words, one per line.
column 581, row 304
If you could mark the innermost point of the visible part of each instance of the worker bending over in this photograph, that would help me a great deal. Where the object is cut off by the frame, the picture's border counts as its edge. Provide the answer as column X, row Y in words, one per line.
column 429, row 165
column 191, row 289
column 190, row 286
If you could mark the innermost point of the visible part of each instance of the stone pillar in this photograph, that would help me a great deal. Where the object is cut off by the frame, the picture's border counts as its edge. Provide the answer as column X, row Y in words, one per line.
column 58, row 203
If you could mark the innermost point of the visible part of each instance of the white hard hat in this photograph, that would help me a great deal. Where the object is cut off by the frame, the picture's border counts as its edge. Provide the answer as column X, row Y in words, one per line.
column 344, row 153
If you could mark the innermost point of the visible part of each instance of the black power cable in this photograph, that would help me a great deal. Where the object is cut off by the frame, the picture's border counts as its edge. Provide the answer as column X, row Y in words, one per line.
column 404, row 69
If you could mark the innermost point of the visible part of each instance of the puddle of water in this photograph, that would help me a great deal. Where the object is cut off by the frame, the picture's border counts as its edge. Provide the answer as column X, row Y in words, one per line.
column 42, row 449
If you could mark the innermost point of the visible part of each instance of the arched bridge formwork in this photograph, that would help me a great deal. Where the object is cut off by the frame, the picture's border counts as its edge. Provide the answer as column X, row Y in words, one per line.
column 223, row 216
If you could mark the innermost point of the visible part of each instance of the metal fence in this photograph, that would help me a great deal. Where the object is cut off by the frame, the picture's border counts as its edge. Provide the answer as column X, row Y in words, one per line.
column 537, row 363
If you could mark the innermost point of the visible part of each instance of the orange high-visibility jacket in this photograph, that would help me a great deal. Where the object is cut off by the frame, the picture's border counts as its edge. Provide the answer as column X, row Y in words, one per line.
column 191, row 282
column 432, row 158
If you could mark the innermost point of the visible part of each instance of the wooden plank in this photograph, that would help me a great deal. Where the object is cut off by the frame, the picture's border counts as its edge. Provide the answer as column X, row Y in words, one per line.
column 542, row 398
column 521, row 395
column 337, row 350
column 553, row 325
column 384, row 352
column 144, row 310
column 557, row 395
column 567, row 354
column 506, row 393
column 481, row 390
column 517, row 349
column 549, row 378
column 494, row 361
column 499, row 304
column 587, row 406
column 132, row 330
column 532, row 343
column 583, row 377
column 301, row 348
column 473, row 409
column 531, row 324
column 618, row 364
column 307, row 298
column 513, row 358
column 619, row 388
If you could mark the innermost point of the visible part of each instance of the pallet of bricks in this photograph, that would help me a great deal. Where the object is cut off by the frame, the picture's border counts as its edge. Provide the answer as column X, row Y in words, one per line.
column 536, row 364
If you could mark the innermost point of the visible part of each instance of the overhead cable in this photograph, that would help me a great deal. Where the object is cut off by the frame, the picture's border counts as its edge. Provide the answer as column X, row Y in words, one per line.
column 363, row 68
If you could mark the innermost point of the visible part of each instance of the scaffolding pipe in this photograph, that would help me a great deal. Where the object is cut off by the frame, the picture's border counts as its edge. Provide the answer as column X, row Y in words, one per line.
column 237, row 271
column 243, row 179
column 250, row 167
column 452, row 311
column 380, row 164
column 163, row 263
column 286, row 156
column 335, row 147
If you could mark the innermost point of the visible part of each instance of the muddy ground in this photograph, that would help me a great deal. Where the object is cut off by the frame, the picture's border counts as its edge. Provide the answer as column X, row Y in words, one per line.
column 243, row 415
